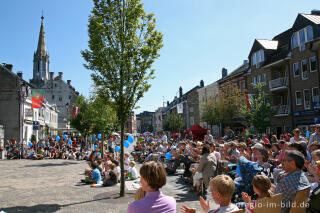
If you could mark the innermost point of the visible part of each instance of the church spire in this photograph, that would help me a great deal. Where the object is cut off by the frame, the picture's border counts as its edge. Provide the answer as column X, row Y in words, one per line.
column 42, row 50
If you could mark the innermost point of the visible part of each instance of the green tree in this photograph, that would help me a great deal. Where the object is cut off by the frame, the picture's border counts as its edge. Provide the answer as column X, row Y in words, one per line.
column 173, row 122
column 82, row 122
column 225, row 107
column 261, row 112
column 123, row 44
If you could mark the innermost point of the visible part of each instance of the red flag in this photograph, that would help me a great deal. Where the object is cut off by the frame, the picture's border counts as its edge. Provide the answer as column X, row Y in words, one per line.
column 37, row 98
column 75, row 111
column 249, row 100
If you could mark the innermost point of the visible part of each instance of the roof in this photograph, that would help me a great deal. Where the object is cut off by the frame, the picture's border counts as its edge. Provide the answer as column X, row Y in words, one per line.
column 268, row 44
column 238, row 71
column 314, row 18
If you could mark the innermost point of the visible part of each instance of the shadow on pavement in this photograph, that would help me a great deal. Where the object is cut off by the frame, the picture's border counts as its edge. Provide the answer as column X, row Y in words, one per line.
column 33, row 209
column 51, row 164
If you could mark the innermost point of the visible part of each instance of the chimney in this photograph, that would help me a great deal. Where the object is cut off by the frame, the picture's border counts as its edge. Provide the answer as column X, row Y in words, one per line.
column 8, row 66
column 315, row 12
column 201, row 83
column 51, row 75
column 69, row 82
column 245, row 62
column 60, row 75
column 180, row 92
column 19, row 74
column 224, row 72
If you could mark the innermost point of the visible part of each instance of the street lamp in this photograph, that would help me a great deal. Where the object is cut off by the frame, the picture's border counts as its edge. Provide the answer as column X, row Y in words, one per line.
column 23, row 96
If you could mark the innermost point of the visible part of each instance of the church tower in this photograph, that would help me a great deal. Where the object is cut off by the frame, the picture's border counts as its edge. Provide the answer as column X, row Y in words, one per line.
column 41, row 60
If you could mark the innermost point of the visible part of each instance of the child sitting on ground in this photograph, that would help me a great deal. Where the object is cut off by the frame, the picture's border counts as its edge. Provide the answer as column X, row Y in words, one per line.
column 262, row 187
column 111, row 177
column 94, row 176
column 132, row 173
column 222, row 189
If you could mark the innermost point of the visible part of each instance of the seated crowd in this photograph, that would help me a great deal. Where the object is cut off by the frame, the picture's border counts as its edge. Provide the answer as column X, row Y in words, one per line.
column 241, row 171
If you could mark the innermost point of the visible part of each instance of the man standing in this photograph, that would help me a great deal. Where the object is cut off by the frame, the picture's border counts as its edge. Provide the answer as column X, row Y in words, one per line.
column 294, row 180
column 164, row 137
column 208, row 137
column 315, row 136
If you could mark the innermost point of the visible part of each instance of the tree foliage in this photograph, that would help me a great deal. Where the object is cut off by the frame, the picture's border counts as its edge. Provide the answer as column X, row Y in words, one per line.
column 95, row 117
column 173, row 122
column 261, row 112
column 225, row 107
column 123, row 44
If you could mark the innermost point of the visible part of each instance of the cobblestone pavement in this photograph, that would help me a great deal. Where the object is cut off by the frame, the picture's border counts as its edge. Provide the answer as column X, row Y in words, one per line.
column 54, row 186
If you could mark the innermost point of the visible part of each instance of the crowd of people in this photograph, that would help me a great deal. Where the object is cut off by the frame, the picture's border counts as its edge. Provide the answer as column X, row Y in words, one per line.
column 51, row 148
column 241, row 170
column 238, row 169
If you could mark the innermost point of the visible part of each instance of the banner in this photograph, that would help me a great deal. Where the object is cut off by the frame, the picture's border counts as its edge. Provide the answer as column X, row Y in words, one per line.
column 37, row 98
column 180, row 108
column 75, row 111
column 249, row 99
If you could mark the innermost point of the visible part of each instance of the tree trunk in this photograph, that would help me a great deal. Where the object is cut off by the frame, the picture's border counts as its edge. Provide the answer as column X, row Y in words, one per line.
column 121, row 159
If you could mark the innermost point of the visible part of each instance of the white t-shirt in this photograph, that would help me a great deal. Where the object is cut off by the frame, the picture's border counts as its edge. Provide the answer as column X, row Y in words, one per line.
column 164, row 138
column 126, row 163
column 225, row 209
column 292, row 140
column 118, row 172
column 133, row 172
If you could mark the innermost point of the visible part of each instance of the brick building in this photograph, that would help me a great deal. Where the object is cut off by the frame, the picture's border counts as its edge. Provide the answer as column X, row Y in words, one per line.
column 289, row 66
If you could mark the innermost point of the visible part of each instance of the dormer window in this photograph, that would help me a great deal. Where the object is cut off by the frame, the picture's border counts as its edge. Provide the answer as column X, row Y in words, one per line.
column 257, row 57
column 302, row 36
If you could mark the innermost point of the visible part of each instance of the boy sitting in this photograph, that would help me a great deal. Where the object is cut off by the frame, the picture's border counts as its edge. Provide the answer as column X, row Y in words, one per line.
column 222, row 189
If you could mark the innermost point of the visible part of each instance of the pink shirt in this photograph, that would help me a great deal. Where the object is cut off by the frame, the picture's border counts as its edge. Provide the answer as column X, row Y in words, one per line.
column 153, row 202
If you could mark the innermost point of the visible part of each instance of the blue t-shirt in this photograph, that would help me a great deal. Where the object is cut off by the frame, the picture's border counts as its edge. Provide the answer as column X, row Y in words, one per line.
column 96, row 176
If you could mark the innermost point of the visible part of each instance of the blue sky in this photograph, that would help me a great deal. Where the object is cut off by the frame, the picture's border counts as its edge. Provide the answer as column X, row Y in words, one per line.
column 200, row 37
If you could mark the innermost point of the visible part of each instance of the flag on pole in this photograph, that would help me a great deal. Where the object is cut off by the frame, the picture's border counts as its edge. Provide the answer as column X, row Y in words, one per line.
column 37, row 98
column 75, row 111
column 249, row 99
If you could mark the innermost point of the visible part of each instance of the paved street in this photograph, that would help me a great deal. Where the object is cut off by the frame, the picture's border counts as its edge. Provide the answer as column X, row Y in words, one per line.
column 53, row 186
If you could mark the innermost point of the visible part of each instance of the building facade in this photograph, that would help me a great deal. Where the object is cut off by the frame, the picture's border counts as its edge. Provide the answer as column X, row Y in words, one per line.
column 157, row 120
column 289, row 66
column 57, row 92
column 144, row 122
column 16, row 114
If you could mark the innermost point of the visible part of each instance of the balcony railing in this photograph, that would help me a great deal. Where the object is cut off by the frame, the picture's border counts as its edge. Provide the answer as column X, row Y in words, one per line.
column 279, row 83
column 282, row 110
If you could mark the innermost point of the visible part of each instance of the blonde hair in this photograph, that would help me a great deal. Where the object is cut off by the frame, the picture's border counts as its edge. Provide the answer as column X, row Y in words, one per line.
column 223, row 184
column 263, row 184
column 139, row 194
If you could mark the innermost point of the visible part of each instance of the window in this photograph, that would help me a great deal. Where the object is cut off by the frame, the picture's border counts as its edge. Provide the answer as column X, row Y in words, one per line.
column 304, row 69
column 60, row 98
column 69, row 97
column 55, row 85
column 302, row 36
column 242, row 85
column 296, row 70
column 306, row 97
column 52, row 97
column 191, row 109
column 257, row 57
column 259, row 79
column 254, row 81
column 315, row 98
column 264, row 78
column 313, row 64
column 294, row 41
column 309, row 33
column 298, row 98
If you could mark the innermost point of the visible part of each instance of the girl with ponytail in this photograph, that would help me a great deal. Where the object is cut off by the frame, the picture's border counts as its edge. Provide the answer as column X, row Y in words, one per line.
column 262, row 186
